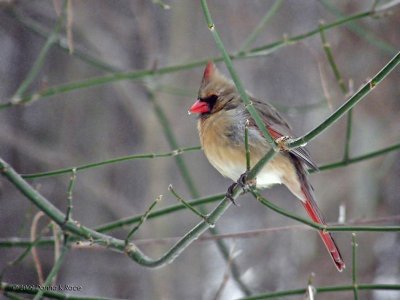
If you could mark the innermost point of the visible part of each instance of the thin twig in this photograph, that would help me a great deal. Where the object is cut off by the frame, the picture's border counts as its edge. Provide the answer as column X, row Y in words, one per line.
column 258, row 29
column 70, row 21
column 57, row 252
column 142, row 219
column 325, row 289
column 358, row 159
column 173, row 143
column 47, row 241
column 311, row 291
column 54, row 271
column 246, row 145
column 189, row 181
column 364, row 34
column 52, row 38
column 354, row 266
column 105, row 240
column 239, row 86
column 134, row 75
column 343, row 88
column 164, row 211
column 71, row 186
column 318, row 226
column 187, row 204
column 62, row 42
column 175, row 152
column 29, row 245
column 162, row 4
column 329, row 54
column 35, row 256
column 225, row 277
column 349, row 104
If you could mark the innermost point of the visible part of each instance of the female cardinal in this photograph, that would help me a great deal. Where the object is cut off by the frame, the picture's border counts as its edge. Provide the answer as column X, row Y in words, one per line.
column 221, row 126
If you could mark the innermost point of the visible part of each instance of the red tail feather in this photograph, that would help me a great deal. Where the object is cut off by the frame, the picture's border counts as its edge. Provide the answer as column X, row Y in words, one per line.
column 315, row 215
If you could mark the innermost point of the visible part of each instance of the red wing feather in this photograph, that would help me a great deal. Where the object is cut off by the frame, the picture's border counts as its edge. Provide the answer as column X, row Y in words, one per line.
column 301, row 153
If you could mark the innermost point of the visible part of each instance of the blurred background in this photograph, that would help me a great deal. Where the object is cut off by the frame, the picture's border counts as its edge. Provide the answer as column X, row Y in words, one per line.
column 123, row 118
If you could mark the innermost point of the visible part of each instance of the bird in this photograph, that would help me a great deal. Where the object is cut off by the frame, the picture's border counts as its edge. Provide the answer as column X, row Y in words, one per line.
column 221, row 125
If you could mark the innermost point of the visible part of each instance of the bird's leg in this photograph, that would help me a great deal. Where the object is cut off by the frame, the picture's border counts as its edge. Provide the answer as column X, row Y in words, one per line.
column 244, row 183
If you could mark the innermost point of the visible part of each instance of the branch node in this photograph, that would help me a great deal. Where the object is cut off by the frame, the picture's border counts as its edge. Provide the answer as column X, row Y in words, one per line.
column 16, row 100
column 282, row 143
column 248, row 104
column 176, row 152
column 372, row 84
column 342, row 214
column 4, row 169
column 129, row 249
column 142, row 219
column 311, row 290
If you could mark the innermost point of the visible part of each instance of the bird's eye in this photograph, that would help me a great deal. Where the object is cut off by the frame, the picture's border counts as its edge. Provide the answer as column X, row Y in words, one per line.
column 210, row 100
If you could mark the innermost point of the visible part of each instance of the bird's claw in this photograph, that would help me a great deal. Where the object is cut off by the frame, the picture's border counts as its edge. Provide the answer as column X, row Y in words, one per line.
column 282, row 141
column 244, row 183
column 229, row 193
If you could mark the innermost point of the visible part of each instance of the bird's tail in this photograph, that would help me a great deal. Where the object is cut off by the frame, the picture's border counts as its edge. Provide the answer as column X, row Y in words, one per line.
column 316, row 216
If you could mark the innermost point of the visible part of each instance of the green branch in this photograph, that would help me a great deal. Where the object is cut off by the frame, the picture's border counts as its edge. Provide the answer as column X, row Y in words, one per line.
column 188, row 179
column 256, row 32
column 134, row 75
column 173, row 143
column 356, row 98
column 201, row 201
column 187, row 204
column 142, row 219
column 54, row 271
column 343, row 88
column 327, row 289
column 37, row 66
column 62, row 43
column 43, row 241
column 354, row 266
column 291, row 40
column 117, row 244
column 240, row 88
column 357, row 159
column 175, row 152
column 318, row 226
column 84, row 232
column 368, row 36
column 164, row 211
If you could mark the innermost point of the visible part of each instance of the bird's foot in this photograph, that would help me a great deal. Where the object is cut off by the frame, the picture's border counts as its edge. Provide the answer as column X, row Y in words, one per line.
column 244, row 183
column 282, row 141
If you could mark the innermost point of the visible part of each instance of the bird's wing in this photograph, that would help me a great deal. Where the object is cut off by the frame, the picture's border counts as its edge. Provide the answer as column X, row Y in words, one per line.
column 278, row 127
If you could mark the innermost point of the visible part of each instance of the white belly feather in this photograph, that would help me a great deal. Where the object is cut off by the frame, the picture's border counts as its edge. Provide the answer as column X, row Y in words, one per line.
column 233, row 170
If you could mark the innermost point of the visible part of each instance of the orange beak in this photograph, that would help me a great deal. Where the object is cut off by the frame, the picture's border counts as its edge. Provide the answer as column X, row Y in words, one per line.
column 199, row 107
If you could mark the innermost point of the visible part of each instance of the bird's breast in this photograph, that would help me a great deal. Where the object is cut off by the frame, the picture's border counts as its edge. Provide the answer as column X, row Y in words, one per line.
column 222, row 139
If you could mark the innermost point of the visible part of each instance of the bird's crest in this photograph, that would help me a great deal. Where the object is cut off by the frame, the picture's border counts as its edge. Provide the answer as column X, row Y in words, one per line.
column 209, row 71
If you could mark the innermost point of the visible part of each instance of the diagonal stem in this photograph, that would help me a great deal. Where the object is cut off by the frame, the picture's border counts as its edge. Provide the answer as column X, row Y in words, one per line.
column 117, row 244
column 134, row 75
column 356, row 98
column 52, row 38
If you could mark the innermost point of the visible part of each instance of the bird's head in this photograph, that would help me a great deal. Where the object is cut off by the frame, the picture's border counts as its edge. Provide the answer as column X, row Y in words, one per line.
column 215, row 92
